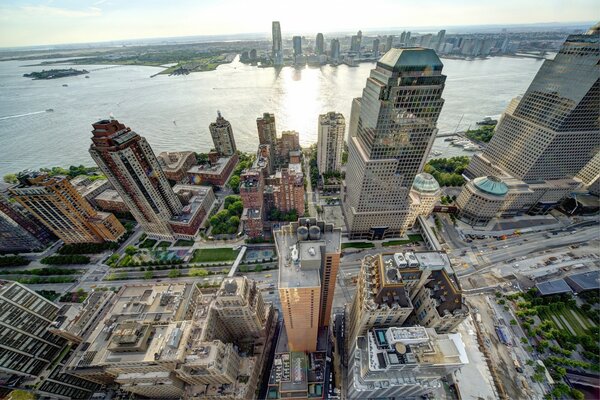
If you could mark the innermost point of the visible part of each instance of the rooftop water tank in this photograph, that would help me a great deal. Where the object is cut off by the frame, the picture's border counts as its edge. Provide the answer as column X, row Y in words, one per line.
column 314, row 232
column 302, row 233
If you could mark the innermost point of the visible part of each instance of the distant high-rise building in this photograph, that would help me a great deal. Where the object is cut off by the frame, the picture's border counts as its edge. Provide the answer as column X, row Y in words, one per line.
column 389, row 42
column 252, row 55
column 543, row 140
column 297, row 42
column 320, row 44
column 127, row 160
column 330, row 144
column 277, row 52
column 335, row 50
column 309, row 257
column 376, row 47
column 356, row 42
column 58, row 205
column 403, row 37
column 222, row 136
column 426, row 40
column 390, row 139
column 441, row 40
column 289, row 141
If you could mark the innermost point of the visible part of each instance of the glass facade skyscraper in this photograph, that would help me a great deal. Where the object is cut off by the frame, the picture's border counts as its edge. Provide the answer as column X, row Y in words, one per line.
column 392, row 128
column 277, row 53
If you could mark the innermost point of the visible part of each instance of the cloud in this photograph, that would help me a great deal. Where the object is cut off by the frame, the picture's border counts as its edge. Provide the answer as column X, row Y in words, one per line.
column 62, row 12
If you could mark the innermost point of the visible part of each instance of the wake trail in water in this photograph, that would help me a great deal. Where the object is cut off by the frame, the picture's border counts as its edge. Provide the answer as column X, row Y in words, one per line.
column 22, row 115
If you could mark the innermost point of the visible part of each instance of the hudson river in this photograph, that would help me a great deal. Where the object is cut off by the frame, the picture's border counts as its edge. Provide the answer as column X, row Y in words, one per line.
column 173, row 113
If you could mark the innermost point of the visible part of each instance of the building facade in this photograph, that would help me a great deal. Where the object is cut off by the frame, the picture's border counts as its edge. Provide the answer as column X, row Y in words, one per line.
column 309, row 254
column 330, row 144
column 127, row 160
column 544, row 139
column 392, row 129
column 319, row 44
column 58, row 205
column 222, row 136
column 176, row 164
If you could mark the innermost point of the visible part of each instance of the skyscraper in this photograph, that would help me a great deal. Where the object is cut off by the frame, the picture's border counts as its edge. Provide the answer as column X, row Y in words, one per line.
column 127, row 160
column 389, row 42
column 407, row 38
column 403, row 37
column 392, row 128
column 335, row 50
column 320, row 44
column 222, row 136
column 375, row 47
column 330, row 144
column 277, row 52
column 441, row 39
column 309, row 257
column 545, row 138
column 356, row 42
column 267, row 131
column 58, row 205
column 297, row 42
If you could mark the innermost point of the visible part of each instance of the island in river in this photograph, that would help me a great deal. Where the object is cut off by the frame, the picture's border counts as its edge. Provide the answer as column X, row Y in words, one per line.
column 55, row 73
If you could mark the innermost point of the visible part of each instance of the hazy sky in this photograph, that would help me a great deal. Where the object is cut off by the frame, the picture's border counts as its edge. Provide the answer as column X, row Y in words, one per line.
column 34, row 22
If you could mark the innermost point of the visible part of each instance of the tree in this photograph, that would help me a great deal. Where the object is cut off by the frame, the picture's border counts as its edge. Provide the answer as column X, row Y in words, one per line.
column 174, row 273
column 198, row 272
column 513, row 322
column 258, row 268
column 130, row 250
column 236, row 208
column 234, row 183
column 148, row 275
column 10, row 178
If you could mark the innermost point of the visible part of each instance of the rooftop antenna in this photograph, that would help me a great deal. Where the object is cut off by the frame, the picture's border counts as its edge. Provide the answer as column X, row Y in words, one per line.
column 219, row 114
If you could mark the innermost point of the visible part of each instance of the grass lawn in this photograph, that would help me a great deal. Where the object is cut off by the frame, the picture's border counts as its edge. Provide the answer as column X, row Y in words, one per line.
column 214, row 255
column 411, row 239
column 574, row 322
column 147, row 244
column 358, row 245
column 164, row 244
column 184, row 243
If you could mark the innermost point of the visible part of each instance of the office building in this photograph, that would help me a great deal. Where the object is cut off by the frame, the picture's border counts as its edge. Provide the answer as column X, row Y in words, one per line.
column 127, row 160
column 320, row 44
column 297, row 43
column 222, row 136
column 376, row 47
column 335, row 50
column 402, row 362
column 403, row 37
column 590, row 175
column 392, row 129
column 544, row 139
column 13, row 238
column 277, row 49
column 426, row 40
column 175, row 164
column 396, row 288
column 309, row 256
column 56, row 203
column 389, row 43
column 330, row 144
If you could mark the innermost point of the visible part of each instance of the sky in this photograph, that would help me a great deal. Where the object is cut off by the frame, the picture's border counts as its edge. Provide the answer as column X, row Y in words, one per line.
column 31, row 22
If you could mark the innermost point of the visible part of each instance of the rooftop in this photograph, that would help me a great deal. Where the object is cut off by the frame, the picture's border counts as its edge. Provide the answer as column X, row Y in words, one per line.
column 109, row 195
column 214, row 169
column 301, row 246
column 586, row 280
column 553, row 287
column 425, row 183
column 396, row 58
column 194, row 205
column 174, row 160
column 85, row 185
column 491, row 185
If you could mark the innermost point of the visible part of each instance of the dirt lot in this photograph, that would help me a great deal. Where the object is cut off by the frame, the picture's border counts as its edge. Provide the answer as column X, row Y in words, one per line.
column 502, row 358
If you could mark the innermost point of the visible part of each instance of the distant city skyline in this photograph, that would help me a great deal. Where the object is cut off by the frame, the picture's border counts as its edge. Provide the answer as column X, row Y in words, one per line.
column 62, row 22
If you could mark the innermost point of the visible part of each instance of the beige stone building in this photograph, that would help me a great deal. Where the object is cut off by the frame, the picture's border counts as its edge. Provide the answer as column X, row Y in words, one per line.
column 330, row 142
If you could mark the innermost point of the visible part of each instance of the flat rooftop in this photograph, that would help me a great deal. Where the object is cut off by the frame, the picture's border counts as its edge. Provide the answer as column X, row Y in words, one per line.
column 109, row 195
column 553, row 287
column 214, row 169
column 586, row 280
column 174, row 160
column 301, row 247
column 195, row 204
